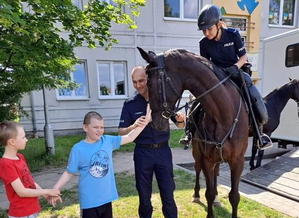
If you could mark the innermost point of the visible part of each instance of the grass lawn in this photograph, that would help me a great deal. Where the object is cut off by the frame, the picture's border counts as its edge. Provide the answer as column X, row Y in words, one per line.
column 127, row 205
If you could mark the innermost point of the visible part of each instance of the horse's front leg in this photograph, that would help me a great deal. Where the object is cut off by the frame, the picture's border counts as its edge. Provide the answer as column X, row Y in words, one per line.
column 196, row 195
column 208, row 170
column 259, row 158
column 253, row 153
column 197, row 166
column 234, row 195
column 216, row 200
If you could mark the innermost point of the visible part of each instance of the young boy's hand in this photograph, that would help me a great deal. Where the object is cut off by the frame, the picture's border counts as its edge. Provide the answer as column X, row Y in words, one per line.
column 148, row 115
column 53, row 200
column 54, row 192
column 144, row 120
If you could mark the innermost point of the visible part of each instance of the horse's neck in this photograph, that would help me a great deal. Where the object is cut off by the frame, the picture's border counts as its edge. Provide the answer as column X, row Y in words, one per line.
column 279, row 98
column 211, row 99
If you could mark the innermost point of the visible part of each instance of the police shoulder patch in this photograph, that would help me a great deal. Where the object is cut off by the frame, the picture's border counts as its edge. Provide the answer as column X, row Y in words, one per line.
column 232, row 30
column 131, row 99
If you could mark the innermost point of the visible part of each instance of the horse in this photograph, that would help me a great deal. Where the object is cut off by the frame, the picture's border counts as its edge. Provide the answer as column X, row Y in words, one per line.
column 223, row 129
column 275, row 102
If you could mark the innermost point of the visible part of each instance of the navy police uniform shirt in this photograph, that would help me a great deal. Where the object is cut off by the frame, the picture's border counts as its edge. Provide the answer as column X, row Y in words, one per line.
column 134, row 108
column 225, row 52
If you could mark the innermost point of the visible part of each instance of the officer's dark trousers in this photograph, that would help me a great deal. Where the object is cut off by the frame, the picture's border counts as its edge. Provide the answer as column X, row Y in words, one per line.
column 148, row 161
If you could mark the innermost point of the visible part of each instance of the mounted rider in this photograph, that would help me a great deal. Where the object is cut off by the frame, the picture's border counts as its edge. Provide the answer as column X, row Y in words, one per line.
column 224, row 47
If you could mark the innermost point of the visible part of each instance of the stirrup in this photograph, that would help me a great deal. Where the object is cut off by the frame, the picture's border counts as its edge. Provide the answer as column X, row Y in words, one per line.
column 185, row 140
column 267, row 142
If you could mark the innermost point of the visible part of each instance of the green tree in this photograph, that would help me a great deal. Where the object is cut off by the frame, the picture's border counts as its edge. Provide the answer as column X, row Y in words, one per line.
column 34, row 53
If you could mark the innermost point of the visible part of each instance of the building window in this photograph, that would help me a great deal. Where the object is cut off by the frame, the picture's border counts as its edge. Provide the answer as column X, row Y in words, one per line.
column 79, row 76
column 112, row 82
column 281, row 12
column 182, row 9
column 77, row 3
column 292, row 55
column 238, row 23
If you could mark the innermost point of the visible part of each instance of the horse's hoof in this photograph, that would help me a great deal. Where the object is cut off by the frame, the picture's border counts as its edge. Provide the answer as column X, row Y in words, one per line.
column 252, row 168
column 216, row 204
column 196, row 200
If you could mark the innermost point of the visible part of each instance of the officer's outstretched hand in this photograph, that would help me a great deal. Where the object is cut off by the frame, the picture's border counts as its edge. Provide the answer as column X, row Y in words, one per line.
column 232, row 70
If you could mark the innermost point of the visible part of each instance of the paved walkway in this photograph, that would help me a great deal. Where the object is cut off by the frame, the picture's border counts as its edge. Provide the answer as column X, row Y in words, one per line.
column 124, row 162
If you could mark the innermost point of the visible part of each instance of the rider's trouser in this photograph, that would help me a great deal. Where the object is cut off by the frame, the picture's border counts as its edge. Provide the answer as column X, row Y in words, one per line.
column 257, row 102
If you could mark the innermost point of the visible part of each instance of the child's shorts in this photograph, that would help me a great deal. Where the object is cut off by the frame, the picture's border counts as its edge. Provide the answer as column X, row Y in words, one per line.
column 30, row 216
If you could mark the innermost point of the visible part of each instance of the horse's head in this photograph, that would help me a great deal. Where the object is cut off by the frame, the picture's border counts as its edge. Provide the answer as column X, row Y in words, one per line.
column 163, row 90
column 295, row 93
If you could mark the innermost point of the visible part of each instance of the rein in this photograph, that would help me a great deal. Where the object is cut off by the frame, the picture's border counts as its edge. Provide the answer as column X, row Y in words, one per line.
column 206, row 92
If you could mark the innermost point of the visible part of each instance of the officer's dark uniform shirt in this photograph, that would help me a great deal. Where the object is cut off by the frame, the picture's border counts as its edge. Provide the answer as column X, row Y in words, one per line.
column 225, row 52
column 134, row 108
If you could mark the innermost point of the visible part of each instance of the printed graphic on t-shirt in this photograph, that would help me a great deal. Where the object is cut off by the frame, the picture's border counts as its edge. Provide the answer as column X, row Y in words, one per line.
column 26, row 177
column 99, row 164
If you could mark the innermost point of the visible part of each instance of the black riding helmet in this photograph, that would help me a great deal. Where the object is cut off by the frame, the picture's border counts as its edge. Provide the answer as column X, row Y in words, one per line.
column 209, row 15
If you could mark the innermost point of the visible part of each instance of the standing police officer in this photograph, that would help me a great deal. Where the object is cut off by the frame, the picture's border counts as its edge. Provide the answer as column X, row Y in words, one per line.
column 152, row 153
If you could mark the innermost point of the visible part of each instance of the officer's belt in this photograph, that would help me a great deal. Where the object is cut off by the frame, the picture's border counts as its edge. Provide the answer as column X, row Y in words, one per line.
column 153, row 146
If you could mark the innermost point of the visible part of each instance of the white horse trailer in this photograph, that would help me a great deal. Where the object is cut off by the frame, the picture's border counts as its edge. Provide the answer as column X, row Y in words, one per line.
column 280, row 61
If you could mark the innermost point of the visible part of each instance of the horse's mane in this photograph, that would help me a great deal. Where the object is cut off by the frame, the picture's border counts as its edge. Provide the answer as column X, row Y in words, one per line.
column 282, row 89
column 181, row 53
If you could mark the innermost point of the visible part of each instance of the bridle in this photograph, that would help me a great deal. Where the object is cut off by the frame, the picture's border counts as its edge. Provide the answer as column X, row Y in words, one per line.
column 162, row 81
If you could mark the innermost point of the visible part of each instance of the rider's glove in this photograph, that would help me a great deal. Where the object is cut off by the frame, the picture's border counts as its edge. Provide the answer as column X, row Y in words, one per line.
column 232, row 70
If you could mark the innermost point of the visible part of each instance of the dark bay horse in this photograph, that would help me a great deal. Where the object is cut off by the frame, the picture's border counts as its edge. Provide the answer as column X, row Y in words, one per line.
column 223, row 130
column 275, row 102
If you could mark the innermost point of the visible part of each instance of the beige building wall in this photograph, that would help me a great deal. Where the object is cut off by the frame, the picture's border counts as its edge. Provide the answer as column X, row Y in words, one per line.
column 155, row 33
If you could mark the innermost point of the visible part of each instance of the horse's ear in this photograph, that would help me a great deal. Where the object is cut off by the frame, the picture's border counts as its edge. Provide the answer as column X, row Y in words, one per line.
column 290, row 79
column 148, row 56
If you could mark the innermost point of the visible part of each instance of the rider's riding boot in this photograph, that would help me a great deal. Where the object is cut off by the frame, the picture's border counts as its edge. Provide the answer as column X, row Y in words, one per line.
column 259, row 110
column 257, row 102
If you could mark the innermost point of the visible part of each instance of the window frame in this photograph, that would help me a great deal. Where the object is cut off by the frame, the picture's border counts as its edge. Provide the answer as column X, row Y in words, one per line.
column 280, row 21
column 73, row 96
column 181, row 18
column 111, row 2
column 111, row 74
column 293, row 53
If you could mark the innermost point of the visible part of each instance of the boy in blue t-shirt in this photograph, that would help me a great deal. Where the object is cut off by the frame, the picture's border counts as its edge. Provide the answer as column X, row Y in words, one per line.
column 92, row 158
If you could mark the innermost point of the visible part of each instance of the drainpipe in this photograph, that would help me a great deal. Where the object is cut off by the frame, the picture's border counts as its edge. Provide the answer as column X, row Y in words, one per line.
column 35, row 135
column 48, row 130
